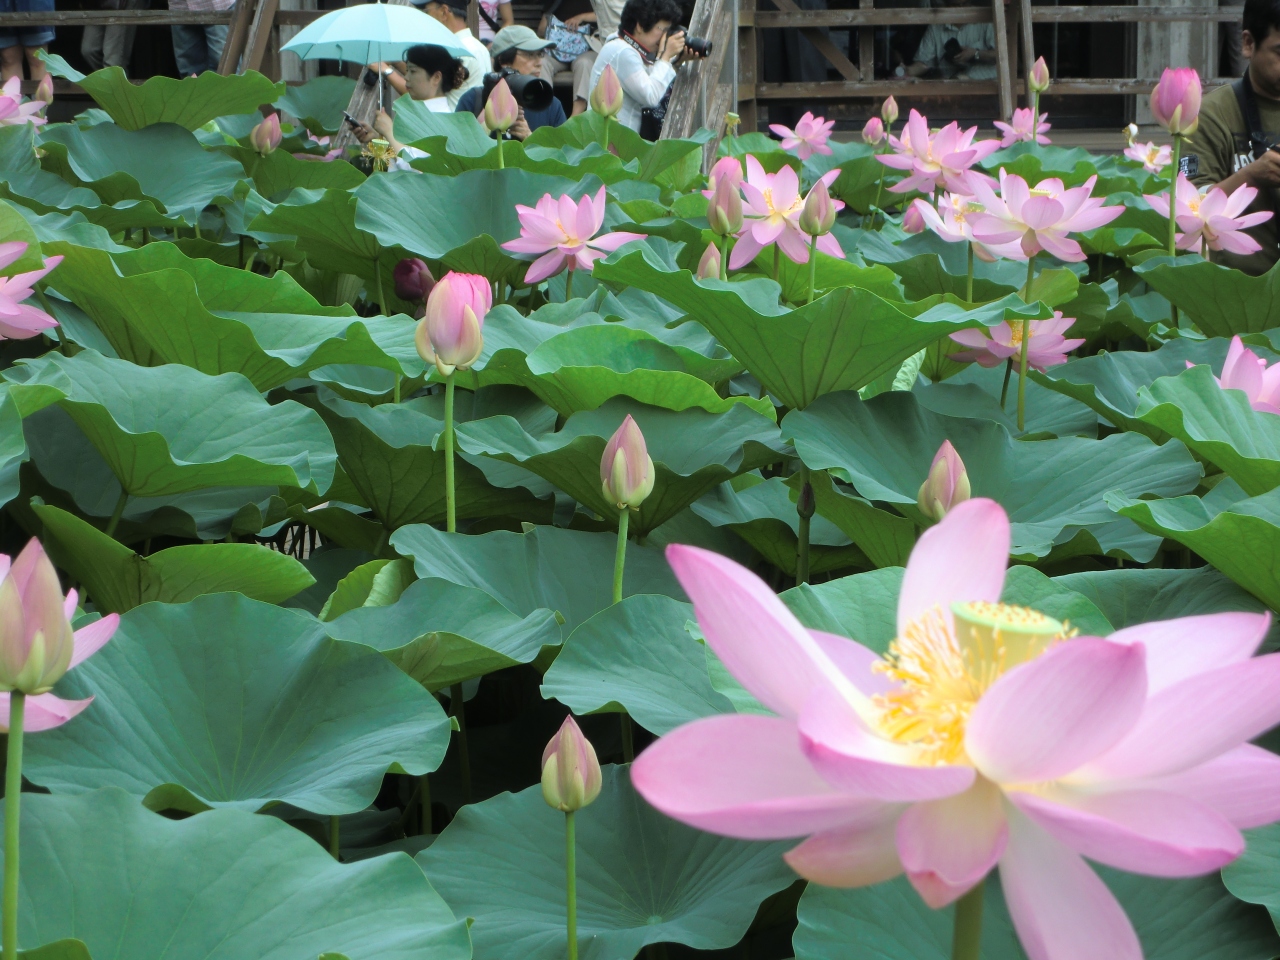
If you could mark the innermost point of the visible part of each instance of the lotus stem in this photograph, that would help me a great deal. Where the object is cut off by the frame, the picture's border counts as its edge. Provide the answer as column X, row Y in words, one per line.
column 968, row 284
column 377, row 274
column 146, row 236
column 333, row 838
column 424, row 798
column 450, row 507
column 501, row 163
column 777, row 262
column 12, row 813
column 571, row 882
column 966, row 940
column 1004, row 390
column 620, row 557
column 804, row 507
column 813, row 264
column 1173, row 196
column 606, row 134
column 724, row 257
column 1022, row 356
column 464, row 752
column 568, row 286
column 117, row 513
column 395, row 396
column 875, row 209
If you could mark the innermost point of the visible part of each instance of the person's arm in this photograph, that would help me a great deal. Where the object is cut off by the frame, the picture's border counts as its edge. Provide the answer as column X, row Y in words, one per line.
column 646, row 87
column 506, row 16
column 1214, row 148
column 927, row 53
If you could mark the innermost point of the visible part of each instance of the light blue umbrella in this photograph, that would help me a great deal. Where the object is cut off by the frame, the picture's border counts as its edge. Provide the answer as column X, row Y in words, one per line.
column 370, row 32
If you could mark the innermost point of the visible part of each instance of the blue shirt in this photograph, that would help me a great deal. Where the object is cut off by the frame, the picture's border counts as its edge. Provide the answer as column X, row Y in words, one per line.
column 553, row 116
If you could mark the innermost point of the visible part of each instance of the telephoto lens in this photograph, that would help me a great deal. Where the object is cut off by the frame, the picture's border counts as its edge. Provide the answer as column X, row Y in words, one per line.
column 700, row 46
column 532, row 93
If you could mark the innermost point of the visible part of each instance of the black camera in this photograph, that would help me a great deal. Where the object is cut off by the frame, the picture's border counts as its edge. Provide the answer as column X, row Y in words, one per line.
column 951, row 50
column 698, row 46
column 532, row 93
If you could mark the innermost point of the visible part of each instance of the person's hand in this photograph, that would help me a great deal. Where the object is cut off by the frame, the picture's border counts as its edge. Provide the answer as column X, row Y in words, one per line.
column 363, row 132
column 967, row 55
column 383, row 125
column 575, row 21
column 1265, row 171
column 672, row 47
column 520, row 129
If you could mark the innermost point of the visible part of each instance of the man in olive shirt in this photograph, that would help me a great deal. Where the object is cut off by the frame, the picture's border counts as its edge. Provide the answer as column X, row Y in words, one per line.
column 1223, row 152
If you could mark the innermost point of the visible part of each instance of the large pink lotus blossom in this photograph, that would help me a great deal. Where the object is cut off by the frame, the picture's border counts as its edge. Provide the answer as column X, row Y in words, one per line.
column 772, row 214
column 451, row 331
column 18, row 320
column 934, row 159
column 1022, row 129
column 1039, row 218
column 1153, row 158
column 1213, row 218
column 1047, row 348
column 986, row 735
column 951, row 221
column 564, row 233
column 37, row 644
column 809, row 137
column 1245, row 370
column 13, row 111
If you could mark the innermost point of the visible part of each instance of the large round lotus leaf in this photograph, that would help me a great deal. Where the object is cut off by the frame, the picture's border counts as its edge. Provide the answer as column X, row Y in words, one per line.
column 275, row 174
column 162, row 163
column 665, row 162
column 25, row 180
column 171, row 429
column 13, row 446
column 567, row 571
column 319, row 103
column 692, row 452
column 641, row 877
column 929, row 265
column 1052, row 489
column 1193, row 919
column 975, row 393
column 1219, row 300
column 227, row 702
column 841, row 341
column 1253, row 878
column 636, row 657
column 224, row 885
column 884, row 537
column 441, row 633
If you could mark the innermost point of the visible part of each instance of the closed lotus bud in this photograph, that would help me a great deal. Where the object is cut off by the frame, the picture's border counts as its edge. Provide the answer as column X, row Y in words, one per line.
column 35, row 635
column 413, row 279
column 724, row 212
column 501, row 109
column 912, row 220
column 819, row 213
column 449, row 333
column 266, row 136
column 946, row 486
column 44, row 89
column 626, row 469
column 726, row 168
column 1039, row 79
column 606, row 98
column 873, row 131
column 1175, row 102
column 709, row 265
column 889, row 111
column 570, row 771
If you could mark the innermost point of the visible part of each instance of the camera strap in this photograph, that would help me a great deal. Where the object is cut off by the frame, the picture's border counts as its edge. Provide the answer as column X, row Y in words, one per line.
column 487, row 19
column 1248, row 102
column 649, row 58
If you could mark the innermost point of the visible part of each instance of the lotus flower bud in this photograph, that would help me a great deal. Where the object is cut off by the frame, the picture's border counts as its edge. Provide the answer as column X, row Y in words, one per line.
column 606, row 98
column 449, row 334
column 501, row 109
column 912, row 219
column 44, row 90
column 889, row 111
column 266, row 136
column 35, row 634
column 724, row 212
column 726, row 168
column 570, row 771
column 1175, row 102
column 873, row 131
column 626, row 469
column 1038, row 81
column 1130, row 134
column 819, row 214
column 709, row 265
column 947, row 485
column 413, row 279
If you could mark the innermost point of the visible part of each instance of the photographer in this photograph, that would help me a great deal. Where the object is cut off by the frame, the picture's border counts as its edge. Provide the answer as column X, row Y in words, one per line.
column 642, row 55
column 517, row 50
column 431, row 72
column 965, row 51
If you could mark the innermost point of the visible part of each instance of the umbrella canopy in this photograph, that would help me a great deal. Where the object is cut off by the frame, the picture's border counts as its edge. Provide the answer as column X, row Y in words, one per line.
column 371, row 32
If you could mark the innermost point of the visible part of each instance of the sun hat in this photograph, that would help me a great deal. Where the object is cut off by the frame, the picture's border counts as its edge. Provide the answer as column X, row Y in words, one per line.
column 519, row 37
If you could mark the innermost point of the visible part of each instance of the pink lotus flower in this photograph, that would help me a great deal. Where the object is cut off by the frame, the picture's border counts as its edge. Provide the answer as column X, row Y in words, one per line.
column 947, row 485
column 413, row 279
column 44, row 89
column 607, row 97
column 266, row 136
column 13, row 111
column 709, row 265
column 564, row 233
column 570, row 771
column 913, row 220
column 1245, row 370
column 1039, row 79
column 773, row 213
column 809, row 137
column 626, row 469
column 724, row 212
column 1047, row 348
column 889, row 111
column 951, row 221
column 818, row 215
column 726, row 168
column 37, row 645
column 1040, row 218
column 1020, row 130
column 873, row 132
column 1175, row 101
column 941, row 158
column 18, row 320
column 988, row 735
column 501, row 109
column 1153, row 158
column 449, row 333
column 1213, row 218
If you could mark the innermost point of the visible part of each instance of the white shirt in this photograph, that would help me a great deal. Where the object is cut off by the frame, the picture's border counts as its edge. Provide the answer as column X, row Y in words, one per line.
column 478, row 64
column 643, row 84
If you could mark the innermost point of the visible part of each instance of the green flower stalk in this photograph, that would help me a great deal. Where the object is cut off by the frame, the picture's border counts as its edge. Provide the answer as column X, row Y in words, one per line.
column 570, row 781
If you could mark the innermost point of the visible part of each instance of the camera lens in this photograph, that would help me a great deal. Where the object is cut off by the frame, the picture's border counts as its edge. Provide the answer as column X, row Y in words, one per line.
column 698, row 45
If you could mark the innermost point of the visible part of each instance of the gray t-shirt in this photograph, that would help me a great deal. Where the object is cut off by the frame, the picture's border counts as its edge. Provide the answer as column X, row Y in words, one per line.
column 979, row 36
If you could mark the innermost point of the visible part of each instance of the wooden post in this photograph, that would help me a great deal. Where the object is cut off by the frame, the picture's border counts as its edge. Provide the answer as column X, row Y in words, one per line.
column 748, row 57
column 1028, row 46
column 241, row 17
column 259, row 34
column 867, row 45
column 1004, row 78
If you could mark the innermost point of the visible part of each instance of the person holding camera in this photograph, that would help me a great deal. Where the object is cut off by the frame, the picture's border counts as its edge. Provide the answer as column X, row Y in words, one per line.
column 431, row 72
column 642, row 55
column 517, row 57
column 947, row 50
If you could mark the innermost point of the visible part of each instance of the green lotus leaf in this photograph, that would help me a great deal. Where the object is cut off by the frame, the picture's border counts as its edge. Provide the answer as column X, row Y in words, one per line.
column 828, row 273
column 441, row 633
column 975, row 392
column 280, row 171
column 636, row 657
column 692, row 452
column 1252, row 878
column 929, row 265
column 661, row 162
column 164, row 164
column 118, row 579
column 72, row 228
column 320, row 102
column 641, row 877
column 190, row 102
column 1219, row 300
column 842, row 341
column 226, row 884
column 23, row 180
column 171, row 429
column 378, row 583
column 885, row 538
column 463, row 134
column 1218, row 425
column 1052, row 489
column 860, row 175
column 62, row 950
column 547, row 568
column 247, row 704
column 1195, row 919
column 13, row 446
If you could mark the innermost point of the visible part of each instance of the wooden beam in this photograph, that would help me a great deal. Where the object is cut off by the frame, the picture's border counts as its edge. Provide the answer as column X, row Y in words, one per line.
column 878, row 89
column 821, row 42
column 1112, row 14
column 233, row 48
column 690, row 92
column 113, row 18
column 1004, row 79
column 876, row 17
column 259, row 35
column 1026, row 18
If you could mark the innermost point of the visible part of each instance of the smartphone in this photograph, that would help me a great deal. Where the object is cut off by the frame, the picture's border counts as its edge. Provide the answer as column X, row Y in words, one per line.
column 351, row 121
